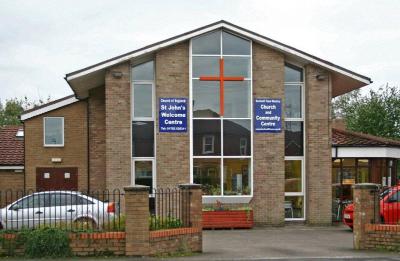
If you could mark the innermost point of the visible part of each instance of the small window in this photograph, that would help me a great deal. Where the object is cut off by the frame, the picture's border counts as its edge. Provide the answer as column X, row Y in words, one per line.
column 143, row 72
column 54, row 131
column 293, row 73
column 208, row 144
column 20, row 133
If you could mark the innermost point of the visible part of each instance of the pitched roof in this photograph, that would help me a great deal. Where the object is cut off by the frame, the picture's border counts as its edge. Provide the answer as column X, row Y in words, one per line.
column 345, row 138
column 91, row 76
column 48, row 107
column 11, row 147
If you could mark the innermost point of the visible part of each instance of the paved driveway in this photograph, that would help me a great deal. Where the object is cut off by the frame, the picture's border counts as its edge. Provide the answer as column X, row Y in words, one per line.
column 289, row 242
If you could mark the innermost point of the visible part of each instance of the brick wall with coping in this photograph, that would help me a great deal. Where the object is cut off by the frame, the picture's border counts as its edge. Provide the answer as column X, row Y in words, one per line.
column 73, row 153
column 378, row 236
column 173, row 149
column 269, row 154
column 318, row 147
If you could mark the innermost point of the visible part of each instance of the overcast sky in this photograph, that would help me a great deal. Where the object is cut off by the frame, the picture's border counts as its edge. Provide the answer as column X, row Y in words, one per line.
column 41, row 41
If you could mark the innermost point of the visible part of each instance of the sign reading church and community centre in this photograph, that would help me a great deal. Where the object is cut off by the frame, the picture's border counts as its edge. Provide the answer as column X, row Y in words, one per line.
column 173, row 115
column 267, row 115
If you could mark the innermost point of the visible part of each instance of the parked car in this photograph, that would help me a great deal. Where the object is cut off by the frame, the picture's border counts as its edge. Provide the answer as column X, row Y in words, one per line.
column 389, row 207
column 56, row 207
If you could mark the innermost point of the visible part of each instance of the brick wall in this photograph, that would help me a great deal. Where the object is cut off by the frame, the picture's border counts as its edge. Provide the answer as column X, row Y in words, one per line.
column 97, row 139
column 179, row 240
column 318, row 147
column 173, row 149
column 11, row 183
column 382, row 237
column 74, row 152
column 269, row 168
column 118, row 127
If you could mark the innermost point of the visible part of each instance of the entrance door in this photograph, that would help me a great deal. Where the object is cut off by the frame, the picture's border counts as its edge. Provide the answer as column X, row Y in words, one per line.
column 56, row 178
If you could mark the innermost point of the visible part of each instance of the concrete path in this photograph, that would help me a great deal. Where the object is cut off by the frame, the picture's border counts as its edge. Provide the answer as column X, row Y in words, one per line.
column 289, row 242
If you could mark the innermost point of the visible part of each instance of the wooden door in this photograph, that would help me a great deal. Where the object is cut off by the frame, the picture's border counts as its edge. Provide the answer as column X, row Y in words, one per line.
column 57, row 178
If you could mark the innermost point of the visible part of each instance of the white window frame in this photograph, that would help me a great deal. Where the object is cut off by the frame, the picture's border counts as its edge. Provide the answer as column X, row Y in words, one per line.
column 44, row 132
column 301, row 158
column 243, row 146
column 149, row 119
column 223, row 198
column 205, row 137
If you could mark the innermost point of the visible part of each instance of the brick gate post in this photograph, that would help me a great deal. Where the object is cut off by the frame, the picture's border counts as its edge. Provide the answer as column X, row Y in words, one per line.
column 137, row 221
column 366, row 210
column 196, row 205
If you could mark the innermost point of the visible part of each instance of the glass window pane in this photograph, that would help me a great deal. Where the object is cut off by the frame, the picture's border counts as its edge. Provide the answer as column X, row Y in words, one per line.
column 293, row 73
column 349, row 175
column 293, row 182
column 233, row 44
column 206, row 137
column 205, row 66
column 237, row 99
column 205, row 99
column 143, row 72
column 237, row 66
column 293, row 138
column 336, row 163
column 237, row 177
column 142, row 139
column 144, row 173
column 293, row 101
column 294, row 207
column 207, row 173
column 53, row 131
column 142, row 100
column 207, row 44
column 363, row 175
column 237, row 141
column 362, row 162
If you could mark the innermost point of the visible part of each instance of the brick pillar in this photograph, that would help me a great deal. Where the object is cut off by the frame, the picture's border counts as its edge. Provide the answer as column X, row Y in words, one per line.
column 366, row 210
column 137, row 221
column 196, row 205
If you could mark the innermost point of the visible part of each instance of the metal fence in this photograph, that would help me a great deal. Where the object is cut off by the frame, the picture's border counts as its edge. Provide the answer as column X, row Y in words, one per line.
column 67, row 210
column 169, row 208
column 387, row 206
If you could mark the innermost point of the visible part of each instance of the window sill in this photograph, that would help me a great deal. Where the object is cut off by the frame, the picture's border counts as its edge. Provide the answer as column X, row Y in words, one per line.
column 53, row 146
column 227, row 199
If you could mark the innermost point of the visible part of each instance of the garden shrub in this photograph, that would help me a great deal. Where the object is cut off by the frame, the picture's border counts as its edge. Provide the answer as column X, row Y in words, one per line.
column 157, row 223
column 45, row 242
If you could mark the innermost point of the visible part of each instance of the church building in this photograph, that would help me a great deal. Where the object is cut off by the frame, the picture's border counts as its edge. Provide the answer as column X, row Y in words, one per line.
column 245, row 116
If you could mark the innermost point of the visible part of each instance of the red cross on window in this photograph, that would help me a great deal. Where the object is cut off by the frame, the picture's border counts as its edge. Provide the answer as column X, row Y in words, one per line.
column 221, row 78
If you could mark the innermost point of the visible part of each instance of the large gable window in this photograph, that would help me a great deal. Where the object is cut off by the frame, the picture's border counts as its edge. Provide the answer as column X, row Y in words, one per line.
column 221, row 114
column 53, row 131
column 294, row 143
column 143, row 158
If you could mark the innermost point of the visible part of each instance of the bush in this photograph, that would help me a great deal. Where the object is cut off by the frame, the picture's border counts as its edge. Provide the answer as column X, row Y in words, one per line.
column 157, row 223
column 45, row 242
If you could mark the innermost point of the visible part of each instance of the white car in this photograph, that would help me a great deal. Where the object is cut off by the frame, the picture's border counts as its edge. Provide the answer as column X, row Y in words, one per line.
column 56, row 207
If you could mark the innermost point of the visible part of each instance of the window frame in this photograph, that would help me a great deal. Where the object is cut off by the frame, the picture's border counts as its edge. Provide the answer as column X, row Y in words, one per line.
column 148, row 119
column 301, row 158
column 204, row 151
column 223, row 198
column 44, row 131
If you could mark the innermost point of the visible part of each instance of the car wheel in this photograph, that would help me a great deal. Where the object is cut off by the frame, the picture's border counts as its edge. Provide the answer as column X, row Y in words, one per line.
column 85, row 223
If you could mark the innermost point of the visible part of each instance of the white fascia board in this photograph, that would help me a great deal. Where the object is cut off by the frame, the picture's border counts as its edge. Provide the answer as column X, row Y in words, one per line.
column 11, row 167
column 211, row 28
column 48, row 108
column 365, row 152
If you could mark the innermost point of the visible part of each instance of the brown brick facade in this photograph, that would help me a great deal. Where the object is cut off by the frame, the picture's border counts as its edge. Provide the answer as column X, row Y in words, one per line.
column 118, row 127
column 173, row 149
column 73, row 153
column 318, row 147
column 97, row 139
column 9, row 179
column 269, row 154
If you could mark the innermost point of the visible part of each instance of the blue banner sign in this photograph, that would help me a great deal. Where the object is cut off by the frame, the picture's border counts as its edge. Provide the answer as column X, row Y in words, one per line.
column 173, row 115
column 267, row 115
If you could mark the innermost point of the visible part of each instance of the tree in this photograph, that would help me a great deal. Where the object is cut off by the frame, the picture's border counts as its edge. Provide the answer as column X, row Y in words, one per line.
column 11, row 110
column 376, row 113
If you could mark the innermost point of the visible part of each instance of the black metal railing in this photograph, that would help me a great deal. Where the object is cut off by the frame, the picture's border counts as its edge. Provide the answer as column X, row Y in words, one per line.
column 169, row 208
column 387, row 206
column 67, row 210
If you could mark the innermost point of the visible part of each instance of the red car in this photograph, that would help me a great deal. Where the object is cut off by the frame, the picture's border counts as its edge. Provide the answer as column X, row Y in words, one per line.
column 389, row 208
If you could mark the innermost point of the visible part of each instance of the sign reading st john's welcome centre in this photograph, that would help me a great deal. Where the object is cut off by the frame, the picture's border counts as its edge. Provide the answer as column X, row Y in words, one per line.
column 173, row 115
column 267, row 115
